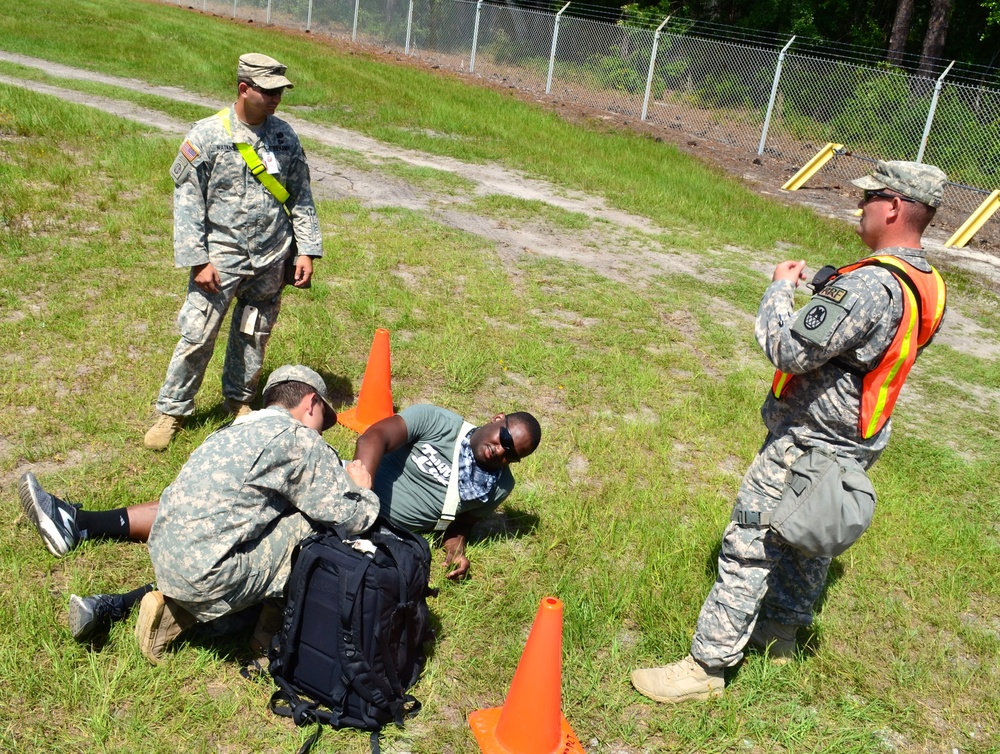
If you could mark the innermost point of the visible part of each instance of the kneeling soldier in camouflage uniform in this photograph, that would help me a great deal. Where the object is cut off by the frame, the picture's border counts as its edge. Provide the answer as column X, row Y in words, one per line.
column 243, row 207
column 838, row 358
column 225, row 528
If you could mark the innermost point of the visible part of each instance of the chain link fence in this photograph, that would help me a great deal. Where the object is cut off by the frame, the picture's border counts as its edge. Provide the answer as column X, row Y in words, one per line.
column 753, row 95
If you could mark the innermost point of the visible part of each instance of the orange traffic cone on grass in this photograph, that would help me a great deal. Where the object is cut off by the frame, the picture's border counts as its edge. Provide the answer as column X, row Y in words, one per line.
column 375, row 396
column 531, row 720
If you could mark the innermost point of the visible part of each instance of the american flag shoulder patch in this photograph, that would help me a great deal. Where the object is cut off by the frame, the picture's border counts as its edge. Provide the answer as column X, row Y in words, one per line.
column 189, row 151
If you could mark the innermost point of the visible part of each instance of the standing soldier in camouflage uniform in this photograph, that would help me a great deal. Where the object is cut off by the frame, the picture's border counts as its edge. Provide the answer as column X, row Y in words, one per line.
column 225, row 528
column 243, row 207
column 848, row 332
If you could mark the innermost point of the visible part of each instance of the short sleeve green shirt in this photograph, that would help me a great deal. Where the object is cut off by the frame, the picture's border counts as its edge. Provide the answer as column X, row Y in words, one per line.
column 412, row 481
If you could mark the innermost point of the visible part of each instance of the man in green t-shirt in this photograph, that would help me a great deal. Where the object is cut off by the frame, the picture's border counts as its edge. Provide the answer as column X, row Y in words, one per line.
column 412, row 455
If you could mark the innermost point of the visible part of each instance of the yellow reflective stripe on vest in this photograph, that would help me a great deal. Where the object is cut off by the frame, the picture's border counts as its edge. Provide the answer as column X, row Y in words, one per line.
column 907, row 346
column 780, row 380
column 257, row 168
column 939, row 282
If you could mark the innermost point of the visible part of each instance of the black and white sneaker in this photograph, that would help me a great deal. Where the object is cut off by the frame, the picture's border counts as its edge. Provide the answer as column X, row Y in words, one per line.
column 90, row 615
column 55, row 519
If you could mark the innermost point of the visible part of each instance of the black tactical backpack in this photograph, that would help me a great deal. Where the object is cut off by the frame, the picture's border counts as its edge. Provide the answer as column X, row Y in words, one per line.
column 355, row 622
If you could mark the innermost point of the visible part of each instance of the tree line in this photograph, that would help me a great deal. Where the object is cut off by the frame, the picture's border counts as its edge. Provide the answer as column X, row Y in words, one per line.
column 919, row 35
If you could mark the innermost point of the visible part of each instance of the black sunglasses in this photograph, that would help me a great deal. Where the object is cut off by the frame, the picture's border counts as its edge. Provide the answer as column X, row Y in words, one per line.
column 507, row 442
column 879, row 194
column 276, row 92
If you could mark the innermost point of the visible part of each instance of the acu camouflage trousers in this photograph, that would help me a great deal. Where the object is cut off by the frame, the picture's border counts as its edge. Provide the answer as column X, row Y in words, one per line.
column 257, row 571
column 199, row 321
column 760, row 575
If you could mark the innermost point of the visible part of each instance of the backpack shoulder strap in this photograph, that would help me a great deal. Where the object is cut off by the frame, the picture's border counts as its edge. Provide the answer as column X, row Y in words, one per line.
column 383, row 692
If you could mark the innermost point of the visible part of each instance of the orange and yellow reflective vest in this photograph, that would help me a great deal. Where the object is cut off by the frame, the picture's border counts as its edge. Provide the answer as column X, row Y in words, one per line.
column 923, row 308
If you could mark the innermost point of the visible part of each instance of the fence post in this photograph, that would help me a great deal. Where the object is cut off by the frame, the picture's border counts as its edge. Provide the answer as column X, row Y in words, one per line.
column 234, row 8
column 552, row 55
column 354, row 30
column 652, row 62
column 409, row 26
column 475, row 38
column 774, row 95
column 268, row 20
column 930, row 113
column 309, row 16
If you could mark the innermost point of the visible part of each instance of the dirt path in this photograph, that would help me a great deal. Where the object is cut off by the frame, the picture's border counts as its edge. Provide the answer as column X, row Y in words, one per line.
column 375, row 189
column 620, row 247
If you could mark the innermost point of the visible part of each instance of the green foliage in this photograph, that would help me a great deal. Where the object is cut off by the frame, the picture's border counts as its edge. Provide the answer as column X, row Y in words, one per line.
column 881, row 117
column 967, row 140
column 993, row 6
column 613, row 72
column 973, row 34
column 502, row 49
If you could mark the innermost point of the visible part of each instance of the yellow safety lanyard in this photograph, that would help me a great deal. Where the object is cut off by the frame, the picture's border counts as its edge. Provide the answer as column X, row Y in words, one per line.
column 257, row 168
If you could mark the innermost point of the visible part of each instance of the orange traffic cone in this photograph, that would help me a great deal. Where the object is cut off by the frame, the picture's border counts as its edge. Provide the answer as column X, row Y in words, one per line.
column 375, row 396
column 531, row 720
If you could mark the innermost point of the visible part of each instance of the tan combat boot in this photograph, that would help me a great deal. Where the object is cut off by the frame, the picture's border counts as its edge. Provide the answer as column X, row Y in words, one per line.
column 271, row 618
column 776, row 640
column 681, row 681
column 160, row 434
column 161, row 620
column 236, row 408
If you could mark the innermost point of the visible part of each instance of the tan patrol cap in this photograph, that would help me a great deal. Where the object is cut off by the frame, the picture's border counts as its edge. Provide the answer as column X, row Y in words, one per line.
column 299, row 373
column 925, row 183
column 264, row 71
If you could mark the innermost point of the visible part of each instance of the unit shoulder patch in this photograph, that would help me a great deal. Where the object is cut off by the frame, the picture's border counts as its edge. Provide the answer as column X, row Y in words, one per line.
column 834, row 293
column 179, row 169
column 818, row 319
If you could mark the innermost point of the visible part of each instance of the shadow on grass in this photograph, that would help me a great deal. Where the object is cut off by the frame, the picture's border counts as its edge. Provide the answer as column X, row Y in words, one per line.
column 340, row 390
column 510, row 523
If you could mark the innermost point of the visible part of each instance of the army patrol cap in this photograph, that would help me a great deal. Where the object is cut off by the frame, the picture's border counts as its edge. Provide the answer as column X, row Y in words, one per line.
column 299, row 373
column 925, row 183
column 265, row 72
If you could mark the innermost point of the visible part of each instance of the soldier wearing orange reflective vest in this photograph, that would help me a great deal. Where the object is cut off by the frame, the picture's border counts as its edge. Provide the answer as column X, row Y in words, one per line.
column 841, row 360
column 923, row 302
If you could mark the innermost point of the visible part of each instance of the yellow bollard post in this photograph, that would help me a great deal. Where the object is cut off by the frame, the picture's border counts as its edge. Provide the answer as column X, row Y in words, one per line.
column 976, row 220
column 812, row 167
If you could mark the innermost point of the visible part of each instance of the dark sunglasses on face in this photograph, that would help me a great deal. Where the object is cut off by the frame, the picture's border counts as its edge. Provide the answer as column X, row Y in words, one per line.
column 268, row 92
column 507, row 442
column 879, row 194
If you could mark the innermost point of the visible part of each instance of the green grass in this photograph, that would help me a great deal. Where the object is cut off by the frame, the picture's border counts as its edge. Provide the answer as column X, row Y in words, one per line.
column 648, row 392
column 181, row 111
column 431, row 180
column 520, row 211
